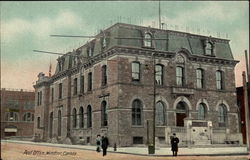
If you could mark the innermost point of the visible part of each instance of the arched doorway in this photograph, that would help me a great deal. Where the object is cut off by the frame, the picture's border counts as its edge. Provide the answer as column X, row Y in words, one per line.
column 181, row 113
column 51, row 124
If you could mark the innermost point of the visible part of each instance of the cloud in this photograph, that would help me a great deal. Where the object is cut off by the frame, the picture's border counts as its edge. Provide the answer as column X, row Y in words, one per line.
column 15, row 29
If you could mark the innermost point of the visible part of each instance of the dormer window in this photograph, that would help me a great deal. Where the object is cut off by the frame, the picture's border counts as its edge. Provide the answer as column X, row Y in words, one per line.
column 209, row 48
column 90, row 51
column 104, row 42
column 148, row 40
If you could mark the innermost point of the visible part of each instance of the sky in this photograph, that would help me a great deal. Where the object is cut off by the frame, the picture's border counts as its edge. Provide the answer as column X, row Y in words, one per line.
column 27, row 26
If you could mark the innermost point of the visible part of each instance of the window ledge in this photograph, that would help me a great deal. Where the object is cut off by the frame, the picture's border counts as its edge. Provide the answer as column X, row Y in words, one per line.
column 139, row 126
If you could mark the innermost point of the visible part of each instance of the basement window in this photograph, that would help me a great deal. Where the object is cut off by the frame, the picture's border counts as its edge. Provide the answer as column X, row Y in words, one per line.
column 137, row 140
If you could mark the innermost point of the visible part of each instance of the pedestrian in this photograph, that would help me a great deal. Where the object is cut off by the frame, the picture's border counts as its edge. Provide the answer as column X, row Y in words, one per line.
column 105, row 144
column 98, row 143
column 174, row 144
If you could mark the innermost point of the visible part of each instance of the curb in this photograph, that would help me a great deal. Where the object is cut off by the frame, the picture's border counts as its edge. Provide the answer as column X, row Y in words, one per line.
column 137, row 154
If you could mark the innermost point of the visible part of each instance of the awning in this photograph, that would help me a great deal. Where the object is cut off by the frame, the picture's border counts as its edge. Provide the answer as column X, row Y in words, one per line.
column 10, row 130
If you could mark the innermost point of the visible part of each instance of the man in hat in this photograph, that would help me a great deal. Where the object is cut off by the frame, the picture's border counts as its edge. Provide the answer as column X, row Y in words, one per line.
column 174, row 144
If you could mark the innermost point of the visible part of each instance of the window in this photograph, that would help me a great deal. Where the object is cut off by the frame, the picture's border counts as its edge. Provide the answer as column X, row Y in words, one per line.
column 200, row 78
column 11, row 116
column 82, row 84
column 28, row 117
column 59, row 123
column 160, row 114
column 104, row 113
column 81, row 117
column 104, row 42
column 89, row 117
column 159, row 74
column 90, row 51
column 148, row 40
column 222, row 115
column 137, row 140
column 74, row 120
column 202, row 111
column 38, row 122
column 219, row 81
column 75, row 86
column 137, row 112
column 209, row 49
column 38, row 98
column 104, row 75
column 90, row 81
column 41, row 96
column 60, row 91
column 52, row 94
column 135, row 71
column 180, row 76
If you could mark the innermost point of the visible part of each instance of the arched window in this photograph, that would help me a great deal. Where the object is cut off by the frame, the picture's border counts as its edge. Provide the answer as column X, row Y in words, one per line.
column 28, row 117
column 219, row 80
column 159, row 74
column 222, row 115
column 89, row 116
column 200, row 78
column 59, row 123
column 148, row 40
column 104, row 75
column 74, row 122
column 160, row 114
column 104, row 113
column 202, row 111
column 11, row 116
column 51, row 125
column 180, row 76
column 137, row 112
column 209, row 49
column 135, row 71
column 81, row 117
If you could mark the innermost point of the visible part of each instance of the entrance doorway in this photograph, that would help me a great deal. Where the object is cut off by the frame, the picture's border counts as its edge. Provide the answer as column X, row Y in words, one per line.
column 51, row 125
column 181, row 113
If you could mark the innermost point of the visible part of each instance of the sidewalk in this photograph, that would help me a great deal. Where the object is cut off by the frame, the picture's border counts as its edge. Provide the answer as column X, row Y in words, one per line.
column 143, row 151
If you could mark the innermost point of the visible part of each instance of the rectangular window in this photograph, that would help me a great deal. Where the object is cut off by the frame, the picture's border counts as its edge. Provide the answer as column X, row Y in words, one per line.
column 38, row 98
column 137, row 140
column 219, row 80
column 104, row 75
column 199, row 78
column 75, row 86
column 38, row 122
column 60, row 91
column 52, row 94
column 41, row 96
column 90, row 81
column 159, row 74
column 82, row 84
column 179, row 76
column 135, row 71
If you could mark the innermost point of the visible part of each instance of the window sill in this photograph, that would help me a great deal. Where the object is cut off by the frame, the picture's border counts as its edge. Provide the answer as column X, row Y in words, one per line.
column 139, row 126
column 146, row 47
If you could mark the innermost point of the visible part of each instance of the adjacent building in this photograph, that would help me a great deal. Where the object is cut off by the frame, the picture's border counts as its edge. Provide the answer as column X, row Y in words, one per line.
column 111, row 85
column 17, row 113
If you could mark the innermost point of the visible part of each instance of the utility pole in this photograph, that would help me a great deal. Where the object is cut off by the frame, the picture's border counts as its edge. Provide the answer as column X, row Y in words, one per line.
column 154, row 88
column 159, row 14
column 245, row 87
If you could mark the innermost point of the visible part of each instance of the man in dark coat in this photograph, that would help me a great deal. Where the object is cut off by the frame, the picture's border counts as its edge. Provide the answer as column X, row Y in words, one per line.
column 105, row 144
column 174, row 144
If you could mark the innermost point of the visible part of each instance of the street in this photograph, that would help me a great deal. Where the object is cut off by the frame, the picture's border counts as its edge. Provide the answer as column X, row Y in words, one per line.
column 14, row 151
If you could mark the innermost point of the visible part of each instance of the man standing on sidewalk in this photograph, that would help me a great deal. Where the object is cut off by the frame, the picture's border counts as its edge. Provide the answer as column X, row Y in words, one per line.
column 174, row 144
column 105, row 144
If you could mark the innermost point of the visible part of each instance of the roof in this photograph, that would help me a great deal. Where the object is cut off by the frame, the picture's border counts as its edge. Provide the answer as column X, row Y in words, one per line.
column 121, row 34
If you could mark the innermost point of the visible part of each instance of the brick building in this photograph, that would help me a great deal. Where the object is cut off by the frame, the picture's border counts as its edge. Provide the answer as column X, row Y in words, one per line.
column 107, row 87
column 17, row 113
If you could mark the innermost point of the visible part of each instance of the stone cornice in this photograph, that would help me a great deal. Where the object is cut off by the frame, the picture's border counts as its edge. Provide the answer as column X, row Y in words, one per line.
column 136, row 51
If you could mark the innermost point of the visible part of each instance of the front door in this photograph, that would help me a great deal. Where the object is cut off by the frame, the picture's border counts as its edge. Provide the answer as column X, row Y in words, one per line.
column 180, row 119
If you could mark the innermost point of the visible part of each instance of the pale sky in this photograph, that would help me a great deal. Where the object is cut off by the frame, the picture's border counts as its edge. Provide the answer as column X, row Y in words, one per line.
column 26, row 26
